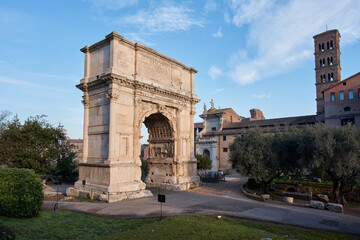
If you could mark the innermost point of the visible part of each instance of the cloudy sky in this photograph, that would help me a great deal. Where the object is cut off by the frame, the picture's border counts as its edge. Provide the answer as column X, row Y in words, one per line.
column 249, row 54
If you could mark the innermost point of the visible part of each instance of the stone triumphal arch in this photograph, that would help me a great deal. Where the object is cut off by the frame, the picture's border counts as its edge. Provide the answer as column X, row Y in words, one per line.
column 127, row 84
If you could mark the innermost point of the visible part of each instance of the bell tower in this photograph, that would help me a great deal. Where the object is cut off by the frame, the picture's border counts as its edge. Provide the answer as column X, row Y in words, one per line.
column 327, row 64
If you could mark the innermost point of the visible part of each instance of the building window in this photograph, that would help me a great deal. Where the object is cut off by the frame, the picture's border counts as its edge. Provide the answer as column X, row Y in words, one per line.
column 320, row 62
column 329, row 78
column 359, row 93
column 213, row 129
column 332, row 96
column 347, row 121
column 224, row 138
column 328, row 45
column 225, row 149
column 342, row 95
column 323, row 62
column 344, row 83
column 322, row 47
column 331, row 44
column 319, row 47
column 324, row 78
column 206, row 153
column 346, row 109
column 331, row 61
column 351, row 94
column 332, row 77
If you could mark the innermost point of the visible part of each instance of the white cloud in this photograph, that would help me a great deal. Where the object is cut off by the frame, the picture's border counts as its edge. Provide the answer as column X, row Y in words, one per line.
column 248, row 10
column 261, row 96
column 217, row 90
column 32, row 86
column 218, row 34
column 112, row 4
column 215, row 72
column 280, row 33
column 210, row 5
column 167, row 17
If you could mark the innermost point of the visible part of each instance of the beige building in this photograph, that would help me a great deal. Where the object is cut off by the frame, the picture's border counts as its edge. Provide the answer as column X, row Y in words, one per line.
column 76, row 146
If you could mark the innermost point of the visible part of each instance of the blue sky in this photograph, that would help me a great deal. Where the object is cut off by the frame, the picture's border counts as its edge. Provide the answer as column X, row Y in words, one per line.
column 249, row 54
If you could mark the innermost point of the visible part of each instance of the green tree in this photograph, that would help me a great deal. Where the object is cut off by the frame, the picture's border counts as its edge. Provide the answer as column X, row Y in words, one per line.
column 336, row 152
column 203, row 162
column 66, row 168
column 252, row 154
column 35, row 144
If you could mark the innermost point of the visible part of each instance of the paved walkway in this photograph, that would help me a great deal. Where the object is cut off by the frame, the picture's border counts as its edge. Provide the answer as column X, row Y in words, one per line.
column 221, row 199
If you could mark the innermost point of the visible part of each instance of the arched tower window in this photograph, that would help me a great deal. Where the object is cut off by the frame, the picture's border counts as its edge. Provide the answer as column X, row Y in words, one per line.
column 331, row 61
column 322, row 47
column 328, row 45
column 331, row 44
column 323, row 62
column 320, row 62
column 328, row 60
column 319, row 47
column 329, row 76
column 332, row 77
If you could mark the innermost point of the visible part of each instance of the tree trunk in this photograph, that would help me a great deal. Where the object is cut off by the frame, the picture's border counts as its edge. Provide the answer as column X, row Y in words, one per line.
column 265, row 187
column 342, row 194
column 336, row 191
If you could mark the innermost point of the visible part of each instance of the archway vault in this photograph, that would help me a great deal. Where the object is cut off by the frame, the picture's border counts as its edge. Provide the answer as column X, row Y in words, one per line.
column 126, row 84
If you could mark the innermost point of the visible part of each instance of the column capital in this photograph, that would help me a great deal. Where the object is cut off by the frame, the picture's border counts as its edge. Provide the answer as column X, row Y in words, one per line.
column 112, row 96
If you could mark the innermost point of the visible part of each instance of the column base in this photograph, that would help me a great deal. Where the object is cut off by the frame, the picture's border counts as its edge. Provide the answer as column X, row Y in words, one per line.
column 108, row 193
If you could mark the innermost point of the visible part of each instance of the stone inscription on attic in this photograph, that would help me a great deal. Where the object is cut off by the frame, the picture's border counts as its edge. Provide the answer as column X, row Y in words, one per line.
column 159, row 71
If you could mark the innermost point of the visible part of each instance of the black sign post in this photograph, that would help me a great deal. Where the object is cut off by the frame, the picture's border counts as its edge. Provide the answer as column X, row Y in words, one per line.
column 161, row 200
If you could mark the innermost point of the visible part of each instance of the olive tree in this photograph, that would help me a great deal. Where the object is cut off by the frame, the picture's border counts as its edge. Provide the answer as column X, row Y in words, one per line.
column 336, row 152
column 252, row 154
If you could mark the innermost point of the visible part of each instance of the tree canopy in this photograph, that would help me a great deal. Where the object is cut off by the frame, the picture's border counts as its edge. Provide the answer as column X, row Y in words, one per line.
column 322, row 148
column 203, row 162
column 36, row 145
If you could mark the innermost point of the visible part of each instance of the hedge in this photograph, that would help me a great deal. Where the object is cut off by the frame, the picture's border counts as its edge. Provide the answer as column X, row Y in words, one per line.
column 21, row 193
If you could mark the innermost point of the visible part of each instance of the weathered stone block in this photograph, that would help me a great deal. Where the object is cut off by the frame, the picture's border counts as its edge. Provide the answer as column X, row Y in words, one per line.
column 335, row 207
column 317, row 204
column 289, row 199
column 72, row 192
column 265, row 196
column 322, row 198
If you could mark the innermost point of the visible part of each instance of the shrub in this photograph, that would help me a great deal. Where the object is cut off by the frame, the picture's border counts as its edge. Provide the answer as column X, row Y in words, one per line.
column 7, row 233
column 21, row 193
column 203, row 162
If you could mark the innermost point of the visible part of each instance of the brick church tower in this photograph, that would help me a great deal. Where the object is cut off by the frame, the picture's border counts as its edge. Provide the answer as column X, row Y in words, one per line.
column 327, row 64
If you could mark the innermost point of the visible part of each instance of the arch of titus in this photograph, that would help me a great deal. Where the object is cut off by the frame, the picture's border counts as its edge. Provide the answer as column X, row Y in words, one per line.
column 126, row 84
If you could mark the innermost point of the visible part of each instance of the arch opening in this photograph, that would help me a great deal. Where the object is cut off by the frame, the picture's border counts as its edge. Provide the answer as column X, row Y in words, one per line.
column 161, row 169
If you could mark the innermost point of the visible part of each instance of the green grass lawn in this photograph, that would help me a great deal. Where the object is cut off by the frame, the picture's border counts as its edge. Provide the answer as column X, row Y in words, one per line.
column 71, row 225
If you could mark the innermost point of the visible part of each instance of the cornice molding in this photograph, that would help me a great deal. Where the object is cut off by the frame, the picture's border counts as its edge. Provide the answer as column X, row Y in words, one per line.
column 104, row 81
